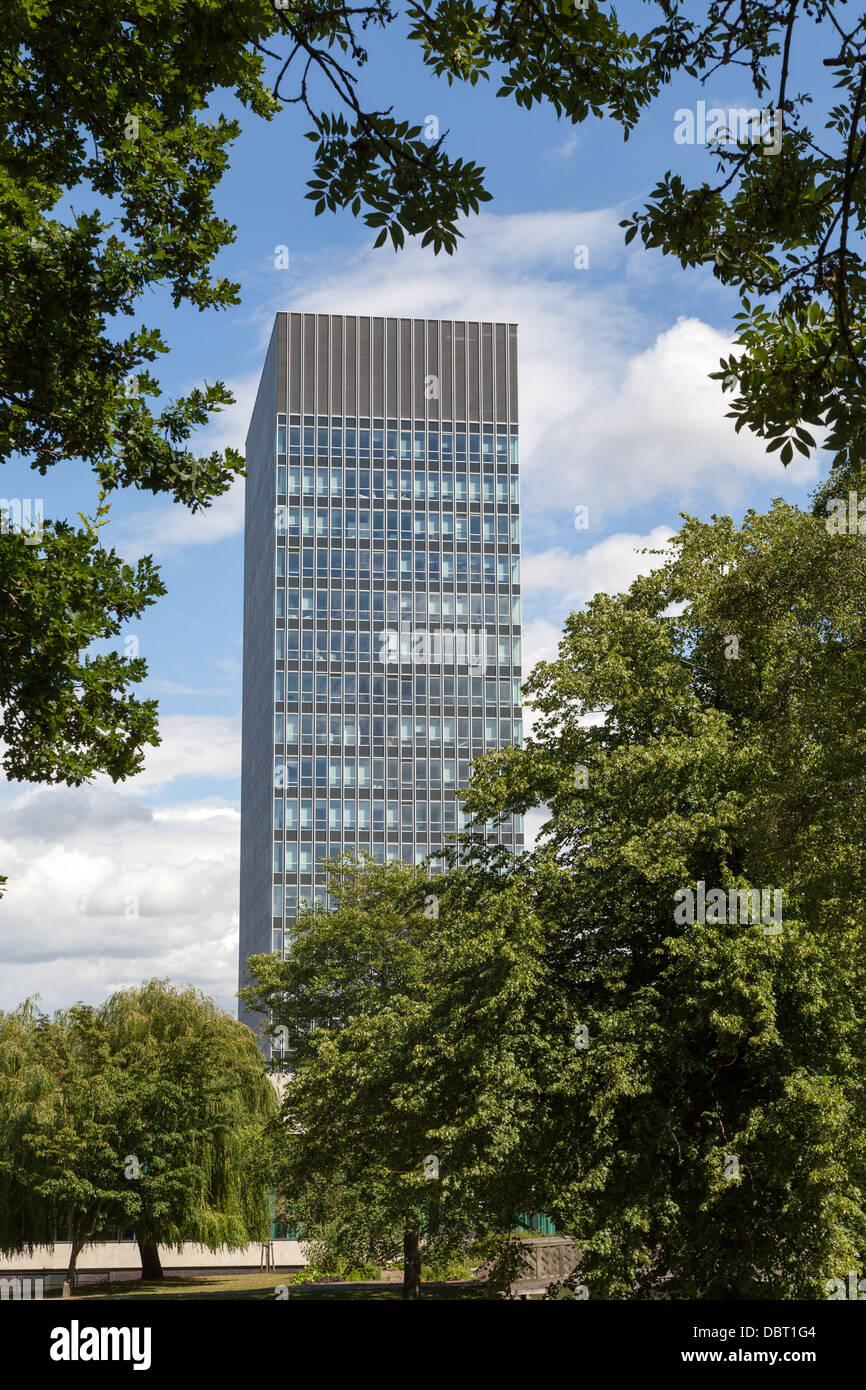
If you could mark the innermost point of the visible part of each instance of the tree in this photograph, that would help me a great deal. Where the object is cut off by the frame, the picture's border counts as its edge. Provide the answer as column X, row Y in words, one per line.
column 104, row 103
column 699, row 740
column 404, row 1014
column 146, row 1112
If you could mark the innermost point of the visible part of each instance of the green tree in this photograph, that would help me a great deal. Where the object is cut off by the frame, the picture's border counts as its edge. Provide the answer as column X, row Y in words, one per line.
column 103, row 105
column 705, row 1135
column 147, row 1112
column 410, row 1054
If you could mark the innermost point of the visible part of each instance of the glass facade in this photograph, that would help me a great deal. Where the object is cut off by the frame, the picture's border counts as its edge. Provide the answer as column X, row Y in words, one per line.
column 396, row 636
column 395, row 655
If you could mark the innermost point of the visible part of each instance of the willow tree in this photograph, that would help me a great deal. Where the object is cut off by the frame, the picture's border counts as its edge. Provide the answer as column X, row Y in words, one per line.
column 148, row 1112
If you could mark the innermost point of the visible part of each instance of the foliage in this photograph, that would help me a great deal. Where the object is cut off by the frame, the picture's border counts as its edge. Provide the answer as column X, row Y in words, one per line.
column 146, row 1112
column 444, row 1271
column 108, row 162
column 410, row 1040
column 708, row 1140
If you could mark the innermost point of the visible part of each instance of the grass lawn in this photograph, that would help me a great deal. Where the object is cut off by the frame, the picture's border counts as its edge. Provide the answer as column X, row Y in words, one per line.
column 261, row 1286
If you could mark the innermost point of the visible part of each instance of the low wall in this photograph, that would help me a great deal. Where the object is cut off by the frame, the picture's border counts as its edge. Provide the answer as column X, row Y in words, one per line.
column 105, row 1255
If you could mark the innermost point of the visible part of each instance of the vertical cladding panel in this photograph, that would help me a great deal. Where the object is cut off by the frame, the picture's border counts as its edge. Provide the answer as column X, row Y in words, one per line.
column 365, row 405
column 296, row 327
column 446, row 385
column 391, row 397
column 472, row 400
column 351, row 375
column 487, row 372
column 378, row 372
column 419, row 369
column 322, row 357
column 512, row 372
column 501, row 373
column 434, row 369
column 281, row 328
column 404, row 360
column 337, row 364
column 309, row 364
column 460, row 371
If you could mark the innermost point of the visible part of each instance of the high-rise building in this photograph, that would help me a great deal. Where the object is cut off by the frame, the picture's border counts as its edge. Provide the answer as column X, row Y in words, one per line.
column 381, row 597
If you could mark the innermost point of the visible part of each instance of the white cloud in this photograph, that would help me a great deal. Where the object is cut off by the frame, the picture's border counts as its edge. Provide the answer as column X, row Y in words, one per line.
column 562, row 580
column 104, row 892
column 193, row 745
column 651, row 428
column 566, row 148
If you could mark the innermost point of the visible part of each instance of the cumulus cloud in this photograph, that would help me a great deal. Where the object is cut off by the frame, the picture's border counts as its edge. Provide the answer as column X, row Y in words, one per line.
column 193, row 745
column 104, row 892
column 564, row 580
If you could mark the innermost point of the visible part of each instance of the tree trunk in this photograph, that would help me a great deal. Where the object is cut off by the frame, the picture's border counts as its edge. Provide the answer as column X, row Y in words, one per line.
column 412, row 1262
column 151, row 1267
column 77, row 1247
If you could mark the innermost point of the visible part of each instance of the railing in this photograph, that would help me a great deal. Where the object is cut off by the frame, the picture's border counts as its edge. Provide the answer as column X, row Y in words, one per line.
column 546, row 1260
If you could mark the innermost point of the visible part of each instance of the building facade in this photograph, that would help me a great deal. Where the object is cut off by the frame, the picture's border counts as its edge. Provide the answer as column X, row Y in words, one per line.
column 381, row 598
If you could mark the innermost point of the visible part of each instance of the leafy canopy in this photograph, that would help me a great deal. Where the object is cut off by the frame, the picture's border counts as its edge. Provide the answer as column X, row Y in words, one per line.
column 148, row 1111
column 704, row 728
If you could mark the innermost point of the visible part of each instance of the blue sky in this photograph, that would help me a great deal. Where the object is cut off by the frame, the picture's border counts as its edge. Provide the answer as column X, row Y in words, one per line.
column 108, row 884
